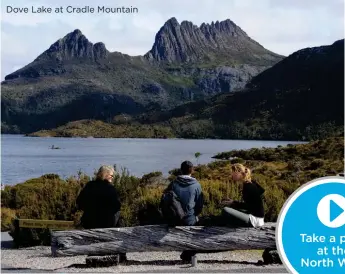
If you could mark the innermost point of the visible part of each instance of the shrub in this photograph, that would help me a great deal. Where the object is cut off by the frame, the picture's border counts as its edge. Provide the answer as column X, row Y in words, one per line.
column 7, row 217
column 315, row 164
column 274, row 199
column 150, row 177
column 237, row 161
column 47, row 197
column 295, row 164
column 218, row 164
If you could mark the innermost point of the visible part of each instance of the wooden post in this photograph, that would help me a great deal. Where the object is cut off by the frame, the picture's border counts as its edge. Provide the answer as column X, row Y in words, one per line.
column 107, row 241
column 16, row 232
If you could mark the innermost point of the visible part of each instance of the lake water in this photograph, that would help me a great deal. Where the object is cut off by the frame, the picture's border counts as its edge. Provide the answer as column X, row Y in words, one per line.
column 23, row 158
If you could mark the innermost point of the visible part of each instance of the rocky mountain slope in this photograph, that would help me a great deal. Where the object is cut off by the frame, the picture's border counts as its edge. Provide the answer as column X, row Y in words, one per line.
column 299, row 98
column 223, row 40
column 75, row 79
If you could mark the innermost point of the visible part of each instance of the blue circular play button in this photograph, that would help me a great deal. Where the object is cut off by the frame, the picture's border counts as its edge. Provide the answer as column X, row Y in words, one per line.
column 311, row 228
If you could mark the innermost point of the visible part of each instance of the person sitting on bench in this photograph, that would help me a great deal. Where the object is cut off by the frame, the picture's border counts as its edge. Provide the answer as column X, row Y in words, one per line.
column 250, row 212
column 182, row 202
column 100, row 203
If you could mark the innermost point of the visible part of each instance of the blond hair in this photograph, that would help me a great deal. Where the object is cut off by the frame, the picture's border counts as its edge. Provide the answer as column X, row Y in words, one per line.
column 103, row 171
column 247, row 175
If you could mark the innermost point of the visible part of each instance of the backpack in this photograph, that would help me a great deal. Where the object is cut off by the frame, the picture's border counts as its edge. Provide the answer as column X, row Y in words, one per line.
column 171, row 207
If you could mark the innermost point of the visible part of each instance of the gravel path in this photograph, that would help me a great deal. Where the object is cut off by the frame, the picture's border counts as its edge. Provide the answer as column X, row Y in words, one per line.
column 38, row 259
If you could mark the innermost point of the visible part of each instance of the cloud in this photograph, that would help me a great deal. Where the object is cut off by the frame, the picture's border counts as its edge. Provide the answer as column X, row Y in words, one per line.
column 282, row 26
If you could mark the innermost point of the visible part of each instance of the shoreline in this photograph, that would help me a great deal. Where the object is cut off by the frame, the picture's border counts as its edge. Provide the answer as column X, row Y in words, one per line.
column 136, row 138
column 210, row 158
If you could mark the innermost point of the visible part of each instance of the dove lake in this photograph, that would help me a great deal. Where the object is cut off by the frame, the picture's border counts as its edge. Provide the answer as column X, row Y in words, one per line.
column 24, row 158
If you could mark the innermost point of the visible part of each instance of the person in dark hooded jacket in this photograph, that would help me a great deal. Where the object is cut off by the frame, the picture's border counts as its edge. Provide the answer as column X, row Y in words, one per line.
column 189, row 192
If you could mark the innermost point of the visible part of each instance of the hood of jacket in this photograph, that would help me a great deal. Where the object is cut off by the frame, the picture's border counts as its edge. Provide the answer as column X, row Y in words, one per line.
column 185, row 180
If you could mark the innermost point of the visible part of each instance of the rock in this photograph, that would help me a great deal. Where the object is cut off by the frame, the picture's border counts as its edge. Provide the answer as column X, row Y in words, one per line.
column 74, row 45
column 51, row 62
column 271, row 256
column 211, row 81
column 153, row 88
column 227, row 79
column 187, row 42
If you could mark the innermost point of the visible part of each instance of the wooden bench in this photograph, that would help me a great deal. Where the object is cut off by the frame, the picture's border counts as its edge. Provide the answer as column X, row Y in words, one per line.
column 110, row 241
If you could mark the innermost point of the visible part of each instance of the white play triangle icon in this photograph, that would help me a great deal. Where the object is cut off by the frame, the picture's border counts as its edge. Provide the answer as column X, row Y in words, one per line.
column 331, row 210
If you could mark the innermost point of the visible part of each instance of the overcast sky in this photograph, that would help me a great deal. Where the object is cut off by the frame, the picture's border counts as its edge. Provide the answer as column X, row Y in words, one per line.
column 282, row 26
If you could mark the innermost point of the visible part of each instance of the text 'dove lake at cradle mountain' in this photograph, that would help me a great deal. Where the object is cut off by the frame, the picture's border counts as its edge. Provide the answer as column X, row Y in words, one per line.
column 29, row 157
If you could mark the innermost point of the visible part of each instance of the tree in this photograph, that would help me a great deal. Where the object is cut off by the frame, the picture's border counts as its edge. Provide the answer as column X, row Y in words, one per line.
column 197, row 155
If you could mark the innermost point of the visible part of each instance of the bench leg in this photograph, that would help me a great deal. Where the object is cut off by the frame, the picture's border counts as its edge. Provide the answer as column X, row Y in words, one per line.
column 194, row 261
column 103, row 261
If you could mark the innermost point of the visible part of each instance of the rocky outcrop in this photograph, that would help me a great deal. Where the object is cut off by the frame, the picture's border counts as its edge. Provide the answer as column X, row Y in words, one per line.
column 211, row 81
column 206, row 81
column 186, row 42
column 51, row 62
column 74, row 45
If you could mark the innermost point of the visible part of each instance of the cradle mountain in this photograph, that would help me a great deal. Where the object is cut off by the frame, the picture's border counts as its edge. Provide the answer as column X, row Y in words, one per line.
column 195, row 82
column 76, row 79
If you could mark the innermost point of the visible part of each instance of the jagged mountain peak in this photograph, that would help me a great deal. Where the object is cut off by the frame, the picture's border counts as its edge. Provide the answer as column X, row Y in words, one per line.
column 73, row 35
column 171, row 22
column 76, row 32
column 187, row 42
column 74, row 45
column 219, row 23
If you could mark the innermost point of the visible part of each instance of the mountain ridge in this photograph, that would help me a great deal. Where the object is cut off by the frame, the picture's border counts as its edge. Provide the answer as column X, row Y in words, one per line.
column 186, row 42
column 76, row 44
column 75, row 79
column 299, row 98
